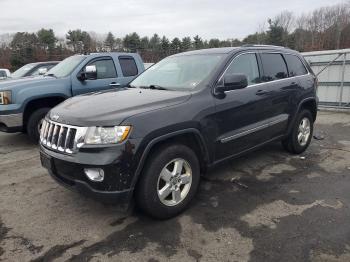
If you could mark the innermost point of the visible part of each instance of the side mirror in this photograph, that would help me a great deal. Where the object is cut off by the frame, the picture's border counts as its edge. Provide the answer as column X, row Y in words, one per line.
column 42, row 71
column 232, row 82
column 89, row 73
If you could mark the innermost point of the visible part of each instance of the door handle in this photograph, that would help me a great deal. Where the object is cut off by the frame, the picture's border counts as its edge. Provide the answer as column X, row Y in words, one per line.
column 261, row 92
column 114, row 84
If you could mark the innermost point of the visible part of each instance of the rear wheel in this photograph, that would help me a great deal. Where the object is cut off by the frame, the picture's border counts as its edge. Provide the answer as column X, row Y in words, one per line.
column 169, row 181
column 34, row 123
column 300, row 137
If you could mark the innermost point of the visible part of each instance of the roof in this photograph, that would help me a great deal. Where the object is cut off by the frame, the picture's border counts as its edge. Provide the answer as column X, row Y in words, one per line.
column 227, row 50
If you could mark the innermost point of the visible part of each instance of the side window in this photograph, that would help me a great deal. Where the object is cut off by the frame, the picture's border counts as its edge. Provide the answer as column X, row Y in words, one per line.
column 295, row 66
column 128, row 65
column 274, row 67
column 245, row 64
column 2, row 74
column 105, row 68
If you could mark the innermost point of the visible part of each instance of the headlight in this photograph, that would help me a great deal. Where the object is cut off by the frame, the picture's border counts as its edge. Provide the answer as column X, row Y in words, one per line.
column 106, row 135
column 5, row 97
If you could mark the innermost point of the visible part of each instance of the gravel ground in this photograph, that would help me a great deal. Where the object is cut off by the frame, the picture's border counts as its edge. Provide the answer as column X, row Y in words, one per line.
column 266, row 206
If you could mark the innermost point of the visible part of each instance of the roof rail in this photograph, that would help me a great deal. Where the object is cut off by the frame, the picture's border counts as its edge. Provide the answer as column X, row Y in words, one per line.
column 254, row 45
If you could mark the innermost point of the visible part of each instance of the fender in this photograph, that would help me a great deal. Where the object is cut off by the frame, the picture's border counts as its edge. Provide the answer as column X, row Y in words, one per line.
column 60, row 95
column 292, row 121
column 164, row 137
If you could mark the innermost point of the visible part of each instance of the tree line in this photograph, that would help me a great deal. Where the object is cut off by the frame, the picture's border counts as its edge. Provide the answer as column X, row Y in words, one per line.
column 322, row 29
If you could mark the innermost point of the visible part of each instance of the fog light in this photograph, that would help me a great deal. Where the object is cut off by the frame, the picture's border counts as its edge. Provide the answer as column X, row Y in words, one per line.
column 95, row 174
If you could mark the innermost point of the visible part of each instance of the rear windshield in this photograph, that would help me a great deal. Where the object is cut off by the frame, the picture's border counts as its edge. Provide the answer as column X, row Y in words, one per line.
column 21, row 72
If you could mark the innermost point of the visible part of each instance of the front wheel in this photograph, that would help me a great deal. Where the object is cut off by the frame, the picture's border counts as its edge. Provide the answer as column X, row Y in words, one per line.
column 300, row 137
column 34, row 123
column 169, row 181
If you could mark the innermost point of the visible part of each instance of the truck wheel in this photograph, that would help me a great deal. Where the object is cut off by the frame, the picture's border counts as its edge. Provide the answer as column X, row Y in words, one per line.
column 169, row 181
column 34, row 123
column 300, row 137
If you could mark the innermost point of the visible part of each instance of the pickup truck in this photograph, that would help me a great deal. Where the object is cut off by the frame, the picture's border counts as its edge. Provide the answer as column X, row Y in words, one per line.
column 25, row 102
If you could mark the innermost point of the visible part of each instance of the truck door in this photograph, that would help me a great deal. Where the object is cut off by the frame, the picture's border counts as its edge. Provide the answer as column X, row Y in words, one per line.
column 128, row 69
column 107, row 77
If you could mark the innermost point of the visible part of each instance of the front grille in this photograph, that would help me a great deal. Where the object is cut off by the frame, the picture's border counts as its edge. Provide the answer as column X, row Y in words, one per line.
column 60, row 137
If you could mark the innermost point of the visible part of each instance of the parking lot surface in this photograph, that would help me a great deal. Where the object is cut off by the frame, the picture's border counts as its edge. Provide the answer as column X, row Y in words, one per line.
column 266, row 206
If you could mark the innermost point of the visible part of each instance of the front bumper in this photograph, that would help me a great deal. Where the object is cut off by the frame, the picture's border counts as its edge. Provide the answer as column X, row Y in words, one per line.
column 68, row 170
column 11, row 123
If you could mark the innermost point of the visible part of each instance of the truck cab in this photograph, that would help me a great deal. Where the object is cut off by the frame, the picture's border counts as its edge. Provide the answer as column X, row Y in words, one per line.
column 25, row 102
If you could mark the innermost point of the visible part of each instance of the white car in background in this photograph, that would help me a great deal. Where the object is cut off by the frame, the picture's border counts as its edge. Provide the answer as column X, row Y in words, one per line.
column 4, row 74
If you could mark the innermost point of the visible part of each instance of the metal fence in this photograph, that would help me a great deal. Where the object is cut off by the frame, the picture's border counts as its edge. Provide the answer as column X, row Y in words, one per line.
column 333, row 72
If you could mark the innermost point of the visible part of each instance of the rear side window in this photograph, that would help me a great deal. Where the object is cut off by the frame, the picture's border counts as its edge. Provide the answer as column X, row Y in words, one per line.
column 128, row 65
column 3, row 74
column 105, row 68
column 274, row 67
column 245, row 64
column 295, row 66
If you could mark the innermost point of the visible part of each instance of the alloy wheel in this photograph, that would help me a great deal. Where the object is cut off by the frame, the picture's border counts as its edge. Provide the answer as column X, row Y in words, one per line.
column 174, row 182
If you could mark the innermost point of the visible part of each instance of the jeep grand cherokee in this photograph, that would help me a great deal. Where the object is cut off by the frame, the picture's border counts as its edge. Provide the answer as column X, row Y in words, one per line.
column 151, row 141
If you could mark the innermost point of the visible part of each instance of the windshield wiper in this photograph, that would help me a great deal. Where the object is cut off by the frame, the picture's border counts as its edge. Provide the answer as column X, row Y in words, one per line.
column 157, row 87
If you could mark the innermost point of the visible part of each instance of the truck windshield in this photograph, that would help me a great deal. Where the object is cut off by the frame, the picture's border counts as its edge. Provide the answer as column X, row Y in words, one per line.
column 66, row 67
column 178, row 73
column 22, row 71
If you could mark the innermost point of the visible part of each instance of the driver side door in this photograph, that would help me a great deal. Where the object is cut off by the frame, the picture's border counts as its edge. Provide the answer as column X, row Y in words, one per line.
column 106, row 77
column 241, row 113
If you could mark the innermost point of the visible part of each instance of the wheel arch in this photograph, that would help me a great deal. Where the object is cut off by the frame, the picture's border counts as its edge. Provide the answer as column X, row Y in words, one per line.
column 40, row 102
column 307, row 103
column 190, row 137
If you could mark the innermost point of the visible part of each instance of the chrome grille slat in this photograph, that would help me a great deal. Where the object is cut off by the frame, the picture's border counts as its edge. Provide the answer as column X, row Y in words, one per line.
column 61, row 137
column 49, row 135
column 54, row 137
column 60, row 141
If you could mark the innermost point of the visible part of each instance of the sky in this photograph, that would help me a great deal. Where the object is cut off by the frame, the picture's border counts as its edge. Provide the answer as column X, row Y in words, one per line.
column 221, row 19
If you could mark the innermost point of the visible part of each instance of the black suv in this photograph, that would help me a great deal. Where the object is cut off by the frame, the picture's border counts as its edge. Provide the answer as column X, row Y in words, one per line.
column 184, row 114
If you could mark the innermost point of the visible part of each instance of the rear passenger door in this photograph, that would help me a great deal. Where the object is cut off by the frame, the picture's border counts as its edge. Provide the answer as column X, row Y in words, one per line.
column 107, row 77
column 279, row 88
column 128, row 70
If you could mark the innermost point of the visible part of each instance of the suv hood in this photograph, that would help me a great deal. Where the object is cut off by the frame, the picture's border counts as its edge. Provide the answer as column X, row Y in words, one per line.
column 112, row 107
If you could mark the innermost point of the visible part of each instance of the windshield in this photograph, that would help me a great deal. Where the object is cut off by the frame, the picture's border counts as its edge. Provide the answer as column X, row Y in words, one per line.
column 66, row 67
column 178, row 72
column 22, row 71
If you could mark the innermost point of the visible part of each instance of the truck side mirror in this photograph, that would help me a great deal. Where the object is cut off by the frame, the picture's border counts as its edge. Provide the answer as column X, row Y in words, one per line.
column 89, row 73
column 42, row 71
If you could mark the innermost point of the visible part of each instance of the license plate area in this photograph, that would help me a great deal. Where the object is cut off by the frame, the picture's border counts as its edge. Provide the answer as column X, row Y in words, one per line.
column 46, row 161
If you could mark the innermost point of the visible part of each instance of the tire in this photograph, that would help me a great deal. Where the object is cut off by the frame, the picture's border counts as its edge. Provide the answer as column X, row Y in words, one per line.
column 297, row 146
column 152, row 182
column 33, row 123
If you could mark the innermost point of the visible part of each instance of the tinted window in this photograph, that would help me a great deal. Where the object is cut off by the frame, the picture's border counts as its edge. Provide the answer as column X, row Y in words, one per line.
column 2, row 74
column 128, row 66
column 105, row 68
column 295, row 66
column 274, row 67
column 245, row 64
